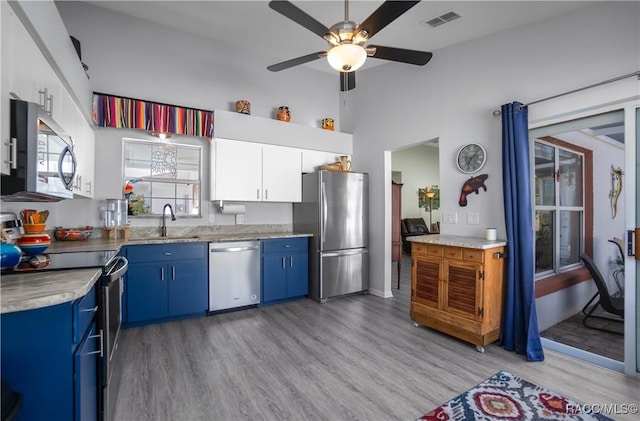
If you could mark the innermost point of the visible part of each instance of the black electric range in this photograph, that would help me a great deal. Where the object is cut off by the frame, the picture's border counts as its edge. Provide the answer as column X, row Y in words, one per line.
column 60, row 261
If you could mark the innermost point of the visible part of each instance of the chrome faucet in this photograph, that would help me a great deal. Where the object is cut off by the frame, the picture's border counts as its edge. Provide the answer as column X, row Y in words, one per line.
column 163, row 229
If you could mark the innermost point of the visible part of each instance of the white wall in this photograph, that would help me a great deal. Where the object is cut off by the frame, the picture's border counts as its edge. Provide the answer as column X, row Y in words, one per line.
column 452, row 98
column 420, row 168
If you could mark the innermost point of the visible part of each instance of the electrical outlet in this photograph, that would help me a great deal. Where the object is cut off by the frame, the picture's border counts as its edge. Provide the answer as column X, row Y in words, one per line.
column 239, row 218
column 212, row 217
column 450, row 218
column 473, row 218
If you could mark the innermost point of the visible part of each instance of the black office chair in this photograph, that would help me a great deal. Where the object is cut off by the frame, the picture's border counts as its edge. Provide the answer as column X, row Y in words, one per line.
column 612, row 305
column 620, row 262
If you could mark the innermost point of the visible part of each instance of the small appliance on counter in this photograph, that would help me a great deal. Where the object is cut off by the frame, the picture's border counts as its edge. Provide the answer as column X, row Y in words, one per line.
column 12, row 225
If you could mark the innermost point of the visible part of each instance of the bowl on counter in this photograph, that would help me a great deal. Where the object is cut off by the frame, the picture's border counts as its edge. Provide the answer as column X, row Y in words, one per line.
column 33, row 228
column 72, row 234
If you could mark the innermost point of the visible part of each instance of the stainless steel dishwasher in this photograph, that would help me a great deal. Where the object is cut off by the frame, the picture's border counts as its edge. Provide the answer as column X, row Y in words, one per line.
column 234, row 274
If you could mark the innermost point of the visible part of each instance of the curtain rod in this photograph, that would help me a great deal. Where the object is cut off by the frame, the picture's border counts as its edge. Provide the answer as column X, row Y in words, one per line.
column 604, row 82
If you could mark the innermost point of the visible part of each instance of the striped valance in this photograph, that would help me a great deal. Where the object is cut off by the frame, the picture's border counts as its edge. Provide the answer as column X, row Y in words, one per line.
column 129, row 113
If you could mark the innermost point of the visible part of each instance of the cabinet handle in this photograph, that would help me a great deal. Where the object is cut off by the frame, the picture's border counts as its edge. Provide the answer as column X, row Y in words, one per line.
column 257, row 193
column 50, row 101
column 89, row 187
column 162, row 274
column 167, row 253
column 173, row 272
column 13, row 153
column 266, row 194
column 283, row 262
column 89, row 310
column 291, row 261
column 42, row 98
column 101, row 351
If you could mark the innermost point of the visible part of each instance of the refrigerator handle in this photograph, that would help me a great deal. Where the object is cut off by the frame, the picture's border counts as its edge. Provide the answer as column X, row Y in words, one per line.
column 324, row 214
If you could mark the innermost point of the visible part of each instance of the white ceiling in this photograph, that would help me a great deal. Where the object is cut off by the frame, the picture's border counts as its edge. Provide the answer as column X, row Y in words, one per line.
column 252, row 27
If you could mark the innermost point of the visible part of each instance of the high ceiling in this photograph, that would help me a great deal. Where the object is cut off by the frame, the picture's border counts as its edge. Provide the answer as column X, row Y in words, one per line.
column 252, row 27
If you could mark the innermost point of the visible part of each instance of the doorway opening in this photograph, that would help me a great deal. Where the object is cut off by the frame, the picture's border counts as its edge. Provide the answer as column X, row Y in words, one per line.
column 579, row 209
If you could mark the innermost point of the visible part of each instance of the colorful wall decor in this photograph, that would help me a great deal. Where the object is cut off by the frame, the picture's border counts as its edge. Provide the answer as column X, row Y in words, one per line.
column 130, row 113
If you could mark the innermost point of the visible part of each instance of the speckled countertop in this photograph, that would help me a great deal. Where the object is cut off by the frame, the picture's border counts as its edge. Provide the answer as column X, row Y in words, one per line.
column 31, row 290
column 458, row 241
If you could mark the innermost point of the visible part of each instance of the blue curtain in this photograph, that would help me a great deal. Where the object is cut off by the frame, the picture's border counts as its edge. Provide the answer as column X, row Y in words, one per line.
column 519, row 329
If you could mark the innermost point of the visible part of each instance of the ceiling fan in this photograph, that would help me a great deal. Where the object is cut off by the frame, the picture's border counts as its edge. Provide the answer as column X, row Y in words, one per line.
column 346, row 39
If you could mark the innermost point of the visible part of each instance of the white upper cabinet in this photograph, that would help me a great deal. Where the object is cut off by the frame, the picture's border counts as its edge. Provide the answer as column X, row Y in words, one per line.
column 253, row 172
column 281, row 174
column 5, row 45
column 236, row 171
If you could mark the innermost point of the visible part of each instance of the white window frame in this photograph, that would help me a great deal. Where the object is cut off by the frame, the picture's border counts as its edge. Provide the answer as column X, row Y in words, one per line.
column 198, row 182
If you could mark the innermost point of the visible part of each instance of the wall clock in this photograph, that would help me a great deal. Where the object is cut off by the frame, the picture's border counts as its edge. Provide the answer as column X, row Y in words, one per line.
column 471, row 158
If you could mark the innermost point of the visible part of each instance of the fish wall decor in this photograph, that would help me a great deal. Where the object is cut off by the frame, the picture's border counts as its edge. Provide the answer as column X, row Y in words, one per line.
column 616, row 189
column 472, row 185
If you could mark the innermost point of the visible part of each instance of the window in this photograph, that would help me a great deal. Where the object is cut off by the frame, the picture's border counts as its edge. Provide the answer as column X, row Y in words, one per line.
column 563, row 194
column 559, row 208
column 162, row 173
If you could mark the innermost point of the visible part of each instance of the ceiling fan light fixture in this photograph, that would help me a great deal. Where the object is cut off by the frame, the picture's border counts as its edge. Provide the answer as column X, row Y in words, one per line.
column 347, row 57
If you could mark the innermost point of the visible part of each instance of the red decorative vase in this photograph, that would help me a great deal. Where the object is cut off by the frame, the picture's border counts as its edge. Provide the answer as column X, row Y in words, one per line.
column 34, row 243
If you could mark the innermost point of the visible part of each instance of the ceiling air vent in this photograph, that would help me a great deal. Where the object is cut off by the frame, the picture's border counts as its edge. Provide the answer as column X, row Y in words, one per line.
column 442, row 19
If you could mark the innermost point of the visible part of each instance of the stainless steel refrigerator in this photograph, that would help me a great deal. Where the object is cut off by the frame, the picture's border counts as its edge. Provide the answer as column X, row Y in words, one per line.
column 335, row 209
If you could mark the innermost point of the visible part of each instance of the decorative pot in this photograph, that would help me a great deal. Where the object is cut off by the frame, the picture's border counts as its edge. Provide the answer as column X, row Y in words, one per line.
column 243, row 106
column 327, row 123
column 284, row 114
column 10, row 255
column 34, row 243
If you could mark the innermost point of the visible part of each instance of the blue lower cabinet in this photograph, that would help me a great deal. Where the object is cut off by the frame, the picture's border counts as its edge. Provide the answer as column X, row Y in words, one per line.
column 147, row 292
column 41, row 359
column 86, row 376
column 165, row 282
column 285, row 269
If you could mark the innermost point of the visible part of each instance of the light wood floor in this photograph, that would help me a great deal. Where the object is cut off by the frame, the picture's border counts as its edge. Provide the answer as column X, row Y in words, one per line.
column 353, row 358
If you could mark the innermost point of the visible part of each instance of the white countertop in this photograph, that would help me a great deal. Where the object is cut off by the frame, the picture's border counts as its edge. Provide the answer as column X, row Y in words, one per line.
column 458, row 241
column 31, row 290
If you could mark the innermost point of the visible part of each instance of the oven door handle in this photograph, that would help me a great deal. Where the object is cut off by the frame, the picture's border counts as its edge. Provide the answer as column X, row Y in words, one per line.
column 117, row 268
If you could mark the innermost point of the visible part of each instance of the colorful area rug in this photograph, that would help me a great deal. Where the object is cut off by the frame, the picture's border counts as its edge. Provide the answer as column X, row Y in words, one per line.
column 504, row 396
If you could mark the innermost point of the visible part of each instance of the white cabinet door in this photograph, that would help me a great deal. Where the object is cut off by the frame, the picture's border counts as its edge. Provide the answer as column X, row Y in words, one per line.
column 238, row 171
column 25, row 63
column 5, row 46
column 281, row 174
column 89, row 160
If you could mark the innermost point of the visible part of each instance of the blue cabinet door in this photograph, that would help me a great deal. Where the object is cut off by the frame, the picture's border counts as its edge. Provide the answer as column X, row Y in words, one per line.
column 274, row 277
column 298, row 275
column 188, row 287
column 285, row 265
column 85, row 373
column 147, row 294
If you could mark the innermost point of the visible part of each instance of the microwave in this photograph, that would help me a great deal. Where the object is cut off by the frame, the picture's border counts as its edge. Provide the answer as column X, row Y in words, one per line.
column 43, row 165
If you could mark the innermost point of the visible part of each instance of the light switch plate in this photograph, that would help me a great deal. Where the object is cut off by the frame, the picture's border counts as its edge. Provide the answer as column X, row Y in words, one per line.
column 450, row 218
column 239, row 218
column 473, row 218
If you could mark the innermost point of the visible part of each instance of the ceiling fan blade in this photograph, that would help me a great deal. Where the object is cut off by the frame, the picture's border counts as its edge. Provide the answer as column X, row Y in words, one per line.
column 419, row 58
column 296, row 14
column 347, row 81
column 384, row 15
column 296, row 61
